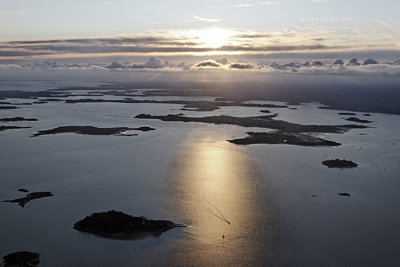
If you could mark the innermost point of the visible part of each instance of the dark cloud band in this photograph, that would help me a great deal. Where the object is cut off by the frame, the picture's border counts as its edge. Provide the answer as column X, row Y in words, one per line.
column 139, row 45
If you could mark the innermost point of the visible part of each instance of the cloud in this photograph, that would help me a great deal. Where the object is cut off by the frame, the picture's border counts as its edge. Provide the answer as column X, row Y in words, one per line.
column 159, row 44
column 222, row 61
column 127, row 44
column 244, row 5
column 62, row 49
column 47, row 64
column 208, row 64
column 273, row 48
column 183, row 42
column 326, row 19
column 338, row 62
column 241, row 66
column 183, row 66
column 54, row 50
column 370, row 61
column 115, row 65
column 11, row 67
column 141, row 39
column 253, row 35
column 205, row 19
column 154, row 62
column 18, row 53
column 352, row 62
column 289, row 66
column 336, row 67
column 264, row 3
column 316, row 63
column 151, row 63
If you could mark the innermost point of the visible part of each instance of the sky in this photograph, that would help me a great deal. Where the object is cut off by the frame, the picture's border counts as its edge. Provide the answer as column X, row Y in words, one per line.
column 211, row 29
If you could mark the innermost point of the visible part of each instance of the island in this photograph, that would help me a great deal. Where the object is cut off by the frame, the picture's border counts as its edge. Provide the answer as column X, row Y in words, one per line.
column 21, row 259
column 31, row 196
column 279, row 137
column 339, row 163
column 354, row 119
column 5, row 127
column 267, row 121
column 187, row 105
column 15, row 119
column 8, row 107
column 347, row 113
column 118, row 225
column 91, row 130
column 144, row 129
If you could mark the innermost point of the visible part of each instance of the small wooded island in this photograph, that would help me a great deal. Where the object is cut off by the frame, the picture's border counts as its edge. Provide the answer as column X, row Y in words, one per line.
column 339, row 163
column 21, row 258
column 118, row 225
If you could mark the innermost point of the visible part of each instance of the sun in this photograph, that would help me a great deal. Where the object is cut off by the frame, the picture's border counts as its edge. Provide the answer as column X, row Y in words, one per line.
column 214, row 37
column 211, row 37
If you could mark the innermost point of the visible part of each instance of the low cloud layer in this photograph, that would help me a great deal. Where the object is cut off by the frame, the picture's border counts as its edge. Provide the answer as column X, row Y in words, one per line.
column 241, row 66
column 213, row 64
column 222, row 63
column 351, row 66
column 151, row 63
column 338, row 66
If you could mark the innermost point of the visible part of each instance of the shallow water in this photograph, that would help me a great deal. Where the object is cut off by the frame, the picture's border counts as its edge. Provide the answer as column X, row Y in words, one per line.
column 243, row 205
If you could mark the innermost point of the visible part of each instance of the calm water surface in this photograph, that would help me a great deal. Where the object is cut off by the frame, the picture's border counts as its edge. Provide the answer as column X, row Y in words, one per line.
column 243, row 205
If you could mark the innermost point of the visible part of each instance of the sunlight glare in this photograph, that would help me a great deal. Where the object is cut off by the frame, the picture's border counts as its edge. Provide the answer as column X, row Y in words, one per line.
column 212, row 37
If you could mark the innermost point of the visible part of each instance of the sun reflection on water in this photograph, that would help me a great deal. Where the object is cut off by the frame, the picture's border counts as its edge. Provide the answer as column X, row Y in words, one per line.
column 215, row 187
